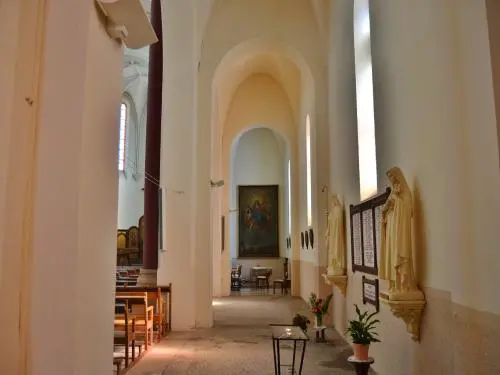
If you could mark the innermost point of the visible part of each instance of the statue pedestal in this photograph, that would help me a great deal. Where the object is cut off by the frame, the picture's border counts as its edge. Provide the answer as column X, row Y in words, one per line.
column 340, row 281
column 416, row 295
column 408, row 309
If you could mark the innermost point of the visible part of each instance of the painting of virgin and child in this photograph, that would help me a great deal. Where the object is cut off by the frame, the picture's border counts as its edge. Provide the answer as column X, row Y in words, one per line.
column 258, row 221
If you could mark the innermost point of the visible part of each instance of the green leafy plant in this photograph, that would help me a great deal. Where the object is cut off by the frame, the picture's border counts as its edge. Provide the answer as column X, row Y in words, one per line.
column 301, row 321
column 362, row 329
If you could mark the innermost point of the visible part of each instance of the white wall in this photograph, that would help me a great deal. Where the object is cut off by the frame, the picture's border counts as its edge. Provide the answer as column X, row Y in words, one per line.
column 435, row 119
column 258, row 159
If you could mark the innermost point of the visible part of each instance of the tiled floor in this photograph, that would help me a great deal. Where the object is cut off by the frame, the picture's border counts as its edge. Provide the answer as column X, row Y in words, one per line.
column 240, row 343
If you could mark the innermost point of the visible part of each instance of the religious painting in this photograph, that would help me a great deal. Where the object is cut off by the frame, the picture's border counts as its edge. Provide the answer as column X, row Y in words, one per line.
column 258, row 221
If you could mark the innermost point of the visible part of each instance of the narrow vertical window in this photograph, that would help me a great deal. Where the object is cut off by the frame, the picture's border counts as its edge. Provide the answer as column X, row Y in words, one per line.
column 308, row 167
column 289, row 198
column 123, row 136
column 364, row 100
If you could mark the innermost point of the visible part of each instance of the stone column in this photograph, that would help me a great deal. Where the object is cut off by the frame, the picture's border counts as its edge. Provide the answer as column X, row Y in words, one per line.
column 60, row 185
column 187, row 263
column 153, row 146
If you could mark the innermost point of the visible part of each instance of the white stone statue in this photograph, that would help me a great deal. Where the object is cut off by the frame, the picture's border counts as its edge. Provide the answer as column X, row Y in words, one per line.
column 396, row 255
column 335, row 238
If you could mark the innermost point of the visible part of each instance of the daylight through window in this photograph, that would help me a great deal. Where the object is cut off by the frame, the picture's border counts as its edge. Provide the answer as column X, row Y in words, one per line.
column 308, row 166
column 123, row 136
column 289, row 198
column 364, row 101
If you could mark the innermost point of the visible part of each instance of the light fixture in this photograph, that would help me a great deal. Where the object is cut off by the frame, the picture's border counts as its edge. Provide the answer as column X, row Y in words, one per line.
column 128, row 22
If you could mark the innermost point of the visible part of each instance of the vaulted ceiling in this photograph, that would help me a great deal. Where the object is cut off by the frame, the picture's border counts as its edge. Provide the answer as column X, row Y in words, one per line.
column 205, row 7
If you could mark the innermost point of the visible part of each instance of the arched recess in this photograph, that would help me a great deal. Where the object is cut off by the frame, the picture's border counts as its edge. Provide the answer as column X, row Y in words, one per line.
column 259, row 101
column 273, row 79
column 224, row 62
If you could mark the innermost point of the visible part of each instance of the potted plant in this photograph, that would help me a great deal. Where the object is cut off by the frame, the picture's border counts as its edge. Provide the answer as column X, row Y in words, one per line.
column 362, row 333
column 301, row 321
column 319, row 307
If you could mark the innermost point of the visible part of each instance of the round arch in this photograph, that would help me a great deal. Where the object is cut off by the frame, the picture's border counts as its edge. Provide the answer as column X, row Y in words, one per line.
column 258, row 55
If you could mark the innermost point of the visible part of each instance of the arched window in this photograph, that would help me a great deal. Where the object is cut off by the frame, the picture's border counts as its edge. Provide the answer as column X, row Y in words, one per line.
column 122, row 144
column 308, row 168
column 364, row 100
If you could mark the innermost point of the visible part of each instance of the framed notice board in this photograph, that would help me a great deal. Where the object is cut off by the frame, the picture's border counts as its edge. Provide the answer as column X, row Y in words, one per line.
column 370, row 292
column 366, row 223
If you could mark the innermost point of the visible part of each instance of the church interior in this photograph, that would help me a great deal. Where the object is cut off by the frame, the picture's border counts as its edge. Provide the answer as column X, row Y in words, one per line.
column 248, row 186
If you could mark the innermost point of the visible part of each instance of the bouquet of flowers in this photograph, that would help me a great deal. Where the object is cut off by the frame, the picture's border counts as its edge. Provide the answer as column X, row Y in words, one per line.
column 319, row 306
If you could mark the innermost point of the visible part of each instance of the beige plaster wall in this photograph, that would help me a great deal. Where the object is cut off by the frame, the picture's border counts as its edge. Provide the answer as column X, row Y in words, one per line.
column 435, row 118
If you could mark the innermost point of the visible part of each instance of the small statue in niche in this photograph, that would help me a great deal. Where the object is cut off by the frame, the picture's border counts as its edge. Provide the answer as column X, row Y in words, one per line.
column 396, row 256
column 335, row 238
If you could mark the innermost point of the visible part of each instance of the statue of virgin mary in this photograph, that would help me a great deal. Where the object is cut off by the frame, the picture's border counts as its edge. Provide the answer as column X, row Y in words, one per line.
column 335, row 240
column 396, row 257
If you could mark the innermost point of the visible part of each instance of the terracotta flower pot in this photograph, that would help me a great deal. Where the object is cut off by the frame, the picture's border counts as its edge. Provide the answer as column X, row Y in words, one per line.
column 361, row 351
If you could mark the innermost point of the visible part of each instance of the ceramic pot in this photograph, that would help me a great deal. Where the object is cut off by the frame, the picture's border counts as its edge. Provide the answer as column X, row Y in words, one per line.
column 361, row 351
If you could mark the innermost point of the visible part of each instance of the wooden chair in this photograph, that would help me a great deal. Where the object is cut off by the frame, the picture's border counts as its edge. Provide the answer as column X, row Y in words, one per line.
column 124, row 333
column 263, row 282
column 159, row 317
column 284, row 282
column 160, row 297
column 236, row 278
column 142, row 312
column 155, row 299
column 118, row 363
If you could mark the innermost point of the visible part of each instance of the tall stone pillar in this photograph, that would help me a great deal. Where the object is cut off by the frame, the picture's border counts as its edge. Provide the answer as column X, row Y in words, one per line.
column 153, row 146
column 187, row 262
column 59, row 183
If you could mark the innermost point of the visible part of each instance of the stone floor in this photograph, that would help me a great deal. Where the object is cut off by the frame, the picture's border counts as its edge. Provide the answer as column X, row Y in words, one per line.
column 240, row 342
